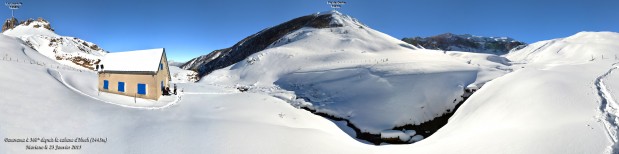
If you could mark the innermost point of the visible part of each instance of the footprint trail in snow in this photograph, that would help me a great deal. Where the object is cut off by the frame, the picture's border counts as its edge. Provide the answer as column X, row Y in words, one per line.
column 608, row 109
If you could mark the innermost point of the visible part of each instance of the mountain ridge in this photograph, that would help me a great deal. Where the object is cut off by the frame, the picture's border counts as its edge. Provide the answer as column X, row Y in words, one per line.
column 466, row 42
column 264, row 39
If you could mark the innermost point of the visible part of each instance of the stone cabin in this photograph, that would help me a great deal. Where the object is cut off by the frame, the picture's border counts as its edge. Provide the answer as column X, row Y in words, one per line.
column 141, row 73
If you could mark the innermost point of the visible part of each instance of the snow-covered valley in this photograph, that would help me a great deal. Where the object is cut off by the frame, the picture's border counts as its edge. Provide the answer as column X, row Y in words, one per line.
column 556, row 96
column 350, row 72
column 209, row 119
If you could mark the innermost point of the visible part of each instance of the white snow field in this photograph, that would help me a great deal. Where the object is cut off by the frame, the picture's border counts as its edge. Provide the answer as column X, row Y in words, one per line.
column 490, row 66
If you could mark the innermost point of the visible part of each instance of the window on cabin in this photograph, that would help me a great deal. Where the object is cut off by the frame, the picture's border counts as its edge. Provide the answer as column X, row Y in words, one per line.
column 106, row 84
column 141, row 89
column 121, row 86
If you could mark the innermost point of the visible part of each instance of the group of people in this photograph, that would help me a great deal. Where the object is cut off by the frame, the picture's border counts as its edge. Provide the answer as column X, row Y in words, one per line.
column 99, row 66
column 166, row 90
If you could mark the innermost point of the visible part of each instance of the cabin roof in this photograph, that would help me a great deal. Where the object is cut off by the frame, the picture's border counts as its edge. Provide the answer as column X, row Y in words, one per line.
column 133, row 61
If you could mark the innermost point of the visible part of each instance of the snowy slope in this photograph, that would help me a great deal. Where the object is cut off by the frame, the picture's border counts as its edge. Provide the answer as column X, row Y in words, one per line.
column 267, row 37
column 175, row 63
column 183, row 76
column 490, row 66
column 14, row 49
column 356, row 73
column 556, row 103
column 69, row 51
column 532, row 110
column 216, row 123
column 589, row 46
column 36, row 102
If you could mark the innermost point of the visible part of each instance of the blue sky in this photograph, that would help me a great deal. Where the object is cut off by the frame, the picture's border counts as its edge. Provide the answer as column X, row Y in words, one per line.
column 189, row 28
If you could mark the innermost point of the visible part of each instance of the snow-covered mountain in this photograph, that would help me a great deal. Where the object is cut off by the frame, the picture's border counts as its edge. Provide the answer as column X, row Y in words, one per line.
column 264, row 39
column 332, row 64
column 466, row 42
column 71, row 51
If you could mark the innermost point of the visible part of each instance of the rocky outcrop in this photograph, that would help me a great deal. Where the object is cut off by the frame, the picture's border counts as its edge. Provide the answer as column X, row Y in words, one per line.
column 13, row 22
column 41, row 23
column 9, row 24
column 39, row 35
column 466, row 42
column 82, row 53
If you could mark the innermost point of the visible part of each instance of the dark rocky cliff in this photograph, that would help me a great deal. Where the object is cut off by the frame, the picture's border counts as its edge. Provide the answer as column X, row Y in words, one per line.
column 466, row 42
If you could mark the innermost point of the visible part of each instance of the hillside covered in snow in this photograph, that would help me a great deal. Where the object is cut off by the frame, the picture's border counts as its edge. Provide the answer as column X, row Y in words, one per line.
column 39, row 35
column 266, row 38
column 557, row 100
column 348, row 71
column 49, row 103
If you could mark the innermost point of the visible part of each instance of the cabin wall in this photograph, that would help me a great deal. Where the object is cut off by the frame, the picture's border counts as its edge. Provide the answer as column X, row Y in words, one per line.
column 153, row 90
column 153, row 82
column 164, row 75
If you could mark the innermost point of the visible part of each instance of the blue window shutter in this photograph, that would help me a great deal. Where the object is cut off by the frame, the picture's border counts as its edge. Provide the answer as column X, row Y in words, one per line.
column 160, row 66
column 121, row 86
column 141, row 89
column 106, row 84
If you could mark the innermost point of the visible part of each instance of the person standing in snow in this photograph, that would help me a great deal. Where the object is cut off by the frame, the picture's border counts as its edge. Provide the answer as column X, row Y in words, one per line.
column 175, row 89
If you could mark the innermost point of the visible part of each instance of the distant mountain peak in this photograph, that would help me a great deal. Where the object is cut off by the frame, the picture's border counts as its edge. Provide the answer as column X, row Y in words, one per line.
column 9, row 24
column 337, row 19
column 39, row 23
column 32, row 27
